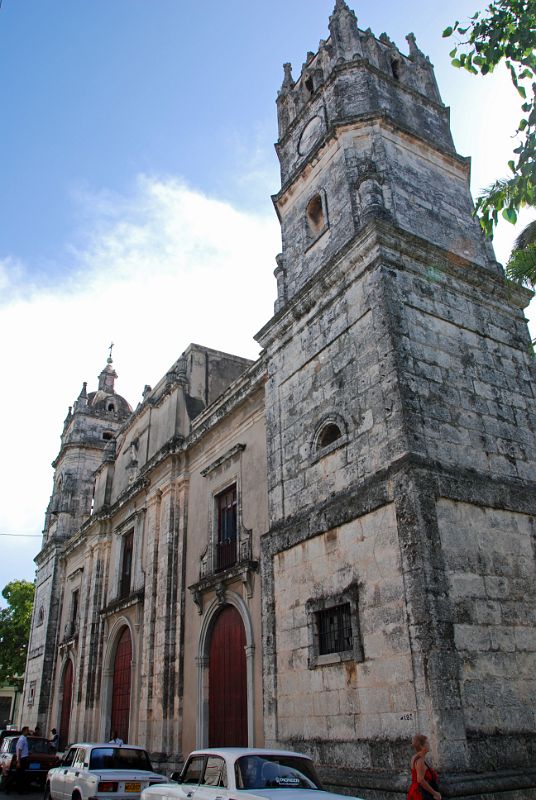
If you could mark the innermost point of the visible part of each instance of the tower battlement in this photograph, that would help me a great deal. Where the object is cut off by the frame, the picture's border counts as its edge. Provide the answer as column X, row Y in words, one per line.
column 356, row 74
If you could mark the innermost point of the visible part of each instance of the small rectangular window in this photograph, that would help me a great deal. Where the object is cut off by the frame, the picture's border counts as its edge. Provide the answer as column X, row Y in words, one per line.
column 334, row 630
column 31, row 693
column 333, row 626
column 126, row 565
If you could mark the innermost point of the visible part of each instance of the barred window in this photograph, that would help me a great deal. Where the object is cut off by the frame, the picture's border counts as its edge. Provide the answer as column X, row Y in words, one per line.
column 334, row 629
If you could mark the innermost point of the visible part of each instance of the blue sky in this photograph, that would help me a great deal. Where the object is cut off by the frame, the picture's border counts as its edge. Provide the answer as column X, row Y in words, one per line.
column 136, row 167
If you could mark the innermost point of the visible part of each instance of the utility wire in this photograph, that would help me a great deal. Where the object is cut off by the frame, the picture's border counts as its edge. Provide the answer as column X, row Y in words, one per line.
column 36, row 535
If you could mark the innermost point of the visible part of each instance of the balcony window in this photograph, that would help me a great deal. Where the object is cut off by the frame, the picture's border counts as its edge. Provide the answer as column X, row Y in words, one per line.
column 126, row 565
column 226, row 543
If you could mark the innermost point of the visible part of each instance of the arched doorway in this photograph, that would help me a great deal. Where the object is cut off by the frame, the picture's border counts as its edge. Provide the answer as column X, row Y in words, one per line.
column 66, row 702
column 228, row 717
column 120, row 715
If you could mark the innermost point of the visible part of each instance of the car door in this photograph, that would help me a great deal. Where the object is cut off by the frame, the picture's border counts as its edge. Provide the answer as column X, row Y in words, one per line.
column 63, row 776
column 5, row 757
column 190, row 778
column 214, row 784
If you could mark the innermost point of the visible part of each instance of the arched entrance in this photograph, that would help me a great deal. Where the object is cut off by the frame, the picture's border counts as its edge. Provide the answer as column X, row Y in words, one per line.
column 120, row 714
column 228, row 716
column 66, row 702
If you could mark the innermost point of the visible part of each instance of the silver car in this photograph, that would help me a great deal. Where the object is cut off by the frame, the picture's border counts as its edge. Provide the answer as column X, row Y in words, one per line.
column 93, row 771
column 230, row 773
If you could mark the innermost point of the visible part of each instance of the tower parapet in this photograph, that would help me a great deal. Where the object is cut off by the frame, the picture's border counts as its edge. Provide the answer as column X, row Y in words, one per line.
column 363, row 135
column 353, row 75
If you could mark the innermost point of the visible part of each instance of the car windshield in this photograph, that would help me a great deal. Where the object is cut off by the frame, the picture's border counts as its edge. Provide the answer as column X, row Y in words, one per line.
column 275, row 772
column 36, row 745
column 119, row 758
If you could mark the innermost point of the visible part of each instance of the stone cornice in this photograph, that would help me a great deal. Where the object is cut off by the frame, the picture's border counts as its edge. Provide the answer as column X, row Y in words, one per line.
column 381, row 243
column 238, row 448
column 239, row 391
column 462, row 485
column 86, row 444
column 122, row 603
column 349, row 123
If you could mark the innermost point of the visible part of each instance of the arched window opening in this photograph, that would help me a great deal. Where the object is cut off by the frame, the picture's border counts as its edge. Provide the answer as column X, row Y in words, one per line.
column 316, row 219
column 40, row 616
column 395, row 69
column 329, row 434
column 309, row 85
column 111, row 407
column 107, row 435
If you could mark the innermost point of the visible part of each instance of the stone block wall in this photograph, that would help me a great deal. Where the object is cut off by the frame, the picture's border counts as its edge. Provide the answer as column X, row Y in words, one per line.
column 363, row 701
column 491, row 567
column 340, row 360
column 430, row 197
column 466, row 373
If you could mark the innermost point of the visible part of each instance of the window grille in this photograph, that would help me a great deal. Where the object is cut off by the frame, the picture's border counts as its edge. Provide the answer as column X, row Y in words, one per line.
column 334, row 630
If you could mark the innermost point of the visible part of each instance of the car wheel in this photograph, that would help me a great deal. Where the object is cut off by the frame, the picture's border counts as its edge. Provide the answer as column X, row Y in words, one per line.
column 2, row 781
column 47, row 795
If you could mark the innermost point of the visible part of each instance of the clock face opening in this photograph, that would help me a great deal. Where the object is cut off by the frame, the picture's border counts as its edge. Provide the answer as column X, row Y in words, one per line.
column 310, row 134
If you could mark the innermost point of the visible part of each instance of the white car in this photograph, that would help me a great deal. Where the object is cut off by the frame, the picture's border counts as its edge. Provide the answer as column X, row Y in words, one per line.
column 247, row 773
column 101, row 772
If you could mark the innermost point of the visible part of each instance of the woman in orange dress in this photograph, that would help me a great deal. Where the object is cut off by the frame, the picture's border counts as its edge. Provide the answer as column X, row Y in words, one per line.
column 423, row 778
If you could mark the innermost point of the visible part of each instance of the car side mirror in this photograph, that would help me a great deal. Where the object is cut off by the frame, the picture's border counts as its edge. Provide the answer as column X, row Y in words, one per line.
column 176, row 776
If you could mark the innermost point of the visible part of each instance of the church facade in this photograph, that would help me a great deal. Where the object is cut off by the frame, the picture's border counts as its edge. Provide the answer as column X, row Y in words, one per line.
column 334, row 547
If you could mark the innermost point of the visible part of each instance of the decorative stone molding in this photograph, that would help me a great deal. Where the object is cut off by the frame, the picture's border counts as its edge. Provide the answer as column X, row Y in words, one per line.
column 76, row 572
column 234, row 451
column 219, row 581
column 123, row 603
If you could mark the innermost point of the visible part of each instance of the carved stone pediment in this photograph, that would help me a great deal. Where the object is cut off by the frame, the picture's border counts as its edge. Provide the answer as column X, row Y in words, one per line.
column 219, row 581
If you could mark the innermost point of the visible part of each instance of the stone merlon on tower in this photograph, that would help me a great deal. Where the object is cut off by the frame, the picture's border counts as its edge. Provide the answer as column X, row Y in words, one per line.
column 364, row 126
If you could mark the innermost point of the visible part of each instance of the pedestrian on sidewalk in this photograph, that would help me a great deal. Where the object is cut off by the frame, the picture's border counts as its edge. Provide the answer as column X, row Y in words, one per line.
column 424, row 779
column 22, row 754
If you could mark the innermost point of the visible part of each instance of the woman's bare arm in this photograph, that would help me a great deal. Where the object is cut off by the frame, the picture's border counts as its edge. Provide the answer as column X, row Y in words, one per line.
column 420, row 766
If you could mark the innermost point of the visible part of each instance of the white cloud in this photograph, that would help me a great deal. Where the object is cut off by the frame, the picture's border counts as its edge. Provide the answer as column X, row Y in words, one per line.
column 153, row 272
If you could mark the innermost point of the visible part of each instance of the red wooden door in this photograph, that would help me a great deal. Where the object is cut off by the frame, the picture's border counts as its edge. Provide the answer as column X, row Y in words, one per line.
column 66, row 701
column 121, row 686
column 228, row 719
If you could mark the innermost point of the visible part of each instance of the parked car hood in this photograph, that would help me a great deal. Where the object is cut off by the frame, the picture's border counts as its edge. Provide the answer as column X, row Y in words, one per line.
column 296, row 794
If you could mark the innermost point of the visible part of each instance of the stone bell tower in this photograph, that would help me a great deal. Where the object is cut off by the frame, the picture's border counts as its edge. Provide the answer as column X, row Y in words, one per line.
column 88, row 431
column 399, row 568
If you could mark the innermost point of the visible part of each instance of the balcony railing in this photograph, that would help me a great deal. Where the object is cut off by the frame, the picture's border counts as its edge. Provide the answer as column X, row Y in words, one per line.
column 223, row 555
column 70, row 630
column 226, row 554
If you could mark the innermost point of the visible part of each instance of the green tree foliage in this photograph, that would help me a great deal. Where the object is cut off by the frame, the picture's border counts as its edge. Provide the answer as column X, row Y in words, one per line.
column 15, row 622
column 522, row 264
column 505, row 32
